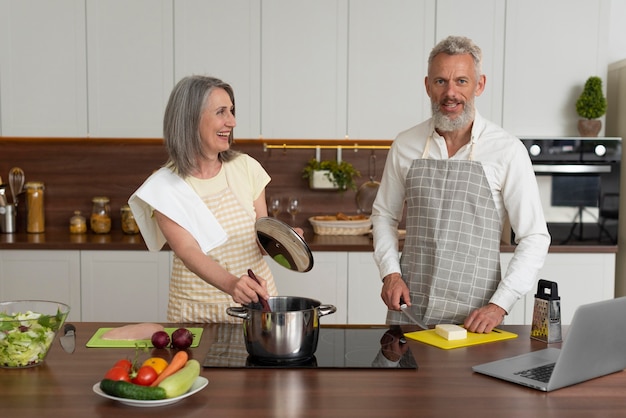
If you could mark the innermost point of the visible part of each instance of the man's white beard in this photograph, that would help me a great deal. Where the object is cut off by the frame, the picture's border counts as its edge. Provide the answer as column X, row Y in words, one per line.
column 443, row 122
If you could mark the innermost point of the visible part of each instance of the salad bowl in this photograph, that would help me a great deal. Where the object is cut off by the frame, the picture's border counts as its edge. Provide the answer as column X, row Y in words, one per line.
column 27, row 330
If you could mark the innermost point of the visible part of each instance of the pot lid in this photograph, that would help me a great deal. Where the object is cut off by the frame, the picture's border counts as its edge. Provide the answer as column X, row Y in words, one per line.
column 283, row 244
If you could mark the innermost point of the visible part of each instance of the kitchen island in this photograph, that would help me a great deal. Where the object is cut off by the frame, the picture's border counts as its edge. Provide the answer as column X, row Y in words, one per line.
column 443, row 385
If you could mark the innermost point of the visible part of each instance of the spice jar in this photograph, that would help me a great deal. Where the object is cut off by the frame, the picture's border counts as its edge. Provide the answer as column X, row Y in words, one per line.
column 34, row 207
column 78, row 224
column 100, row 215
column 129, row 226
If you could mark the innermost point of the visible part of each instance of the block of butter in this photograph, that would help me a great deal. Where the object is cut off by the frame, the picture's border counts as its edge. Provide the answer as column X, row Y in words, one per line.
column 451, row 332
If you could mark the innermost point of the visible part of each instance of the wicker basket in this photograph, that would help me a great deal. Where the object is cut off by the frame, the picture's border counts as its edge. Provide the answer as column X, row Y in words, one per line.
column 357, row 227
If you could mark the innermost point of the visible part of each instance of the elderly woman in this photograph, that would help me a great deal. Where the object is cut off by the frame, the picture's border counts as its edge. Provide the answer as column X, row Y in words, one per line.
column 204, row 203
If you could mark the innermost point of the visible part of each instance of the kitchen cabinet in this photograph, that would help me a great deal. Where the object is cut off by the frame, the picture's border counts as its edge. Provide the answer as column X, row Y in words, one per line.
column 304, row 66
column 203, row 37
column 581, row 278
column 326, row 282
column 130, row 63
column 43, row 55
column 125, row 286
column 43, row 275
column 365, row 306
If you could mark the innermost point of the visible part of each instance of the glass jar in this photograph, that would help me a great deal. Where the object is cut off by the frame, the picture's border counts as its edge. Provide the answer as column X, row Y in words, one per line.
column 34, row 207
column 129, row 226
column 100, row 215
column 78, row 224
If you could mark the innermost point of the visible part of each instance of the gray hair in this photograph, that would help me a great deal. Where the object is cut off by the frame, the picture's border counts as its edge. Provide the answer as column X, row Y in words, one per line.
column 458, row 45
column 181, row 122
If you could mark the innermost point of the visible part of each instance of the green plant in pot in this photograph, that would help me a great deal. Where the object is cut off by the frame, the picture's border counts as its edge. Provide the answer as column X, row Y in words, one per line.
column 590, row 106
column 338, row 175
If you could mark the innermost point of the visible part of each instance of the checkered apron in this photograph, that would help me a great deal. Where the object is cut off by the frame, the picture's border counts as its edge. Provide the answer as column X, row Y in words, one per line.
column 451, row 255
column 191, row 299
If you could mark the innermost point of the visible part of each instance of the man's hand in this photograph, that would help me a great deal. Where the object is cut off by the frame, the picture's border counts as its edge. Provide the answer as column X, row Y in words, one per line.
column 393, row 290
column 485, row 319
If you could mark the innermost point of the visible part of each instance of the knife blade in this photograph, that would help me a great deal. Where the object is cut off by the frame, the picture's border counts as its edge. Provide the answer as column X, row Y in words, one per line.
column 68, row 340
column 407, row 311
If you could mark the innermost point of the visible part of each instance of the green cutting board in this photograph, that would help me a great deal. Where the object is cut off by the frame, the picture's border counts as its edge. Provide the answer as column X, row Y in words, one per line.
column 96, row 340
column 431, row 337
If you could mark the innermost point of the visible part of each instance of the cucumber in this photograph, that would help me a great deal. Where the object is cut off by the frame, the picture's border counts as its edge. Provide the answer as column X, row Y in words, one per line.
column 127, row 390
column 181, row 381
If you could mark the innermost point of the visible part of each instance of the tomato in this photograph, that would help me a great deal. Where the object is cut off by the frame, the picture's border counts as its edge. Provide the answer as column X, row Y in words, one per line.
column 157, row 363
column 117, row 373
column 145, row 376
column 125, row 364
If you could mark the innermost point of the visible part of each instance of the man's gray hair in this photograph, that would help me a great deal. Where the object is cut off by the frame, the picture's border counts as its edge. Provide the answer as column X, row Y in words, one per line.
column 458, row 45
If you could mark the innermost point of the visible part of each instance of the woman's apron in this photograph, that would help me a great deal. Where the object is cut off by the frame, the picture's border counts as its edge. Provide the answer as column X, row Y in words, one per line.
column 451, row 255
column 191, row 299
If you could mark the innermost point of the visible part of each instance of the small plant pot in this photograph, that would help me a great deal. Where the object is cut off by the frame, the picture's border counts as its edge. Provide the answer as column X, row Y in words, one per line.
column 320, row 181
column 589, row 127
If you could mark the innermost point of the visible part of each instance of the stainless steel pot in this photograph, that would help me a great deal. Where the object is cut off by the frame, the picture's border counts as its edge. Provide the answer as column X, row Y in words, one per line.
column 288, row 333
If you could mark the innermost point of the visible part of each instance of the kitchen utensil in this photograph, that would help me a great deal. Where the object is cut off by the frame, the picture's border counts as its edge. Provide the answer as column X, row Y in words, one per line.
column 546, row 325
column 264, row 304
column 407, row 311
column 96, row 340
column 68, row 339
column 431, row 337
column 367, row 192
column 3, row 194
column 16, row 182
column 288, row 333
column 7, row 219
column 283, row 244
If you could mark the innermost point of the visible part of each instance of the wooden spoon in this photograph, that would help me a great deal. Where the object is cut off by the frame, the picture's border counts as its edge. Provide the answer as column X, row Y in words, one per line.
column 266, row 306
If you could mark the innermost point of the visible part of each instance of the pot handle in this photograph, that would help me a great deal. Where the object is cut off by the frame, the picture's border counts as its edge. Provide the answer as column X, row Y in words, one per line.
column 238, row 312
column 326, row 310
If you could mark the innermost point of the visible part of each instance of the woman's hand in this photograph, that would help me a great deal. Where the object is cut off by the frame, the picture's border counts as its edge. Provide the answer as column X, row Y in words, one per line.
column 246, row 290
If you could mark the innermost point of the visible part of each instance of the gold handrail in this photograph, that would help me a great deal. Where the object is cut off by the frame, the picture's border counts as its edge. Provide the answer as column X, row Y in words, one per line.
column 354, row 147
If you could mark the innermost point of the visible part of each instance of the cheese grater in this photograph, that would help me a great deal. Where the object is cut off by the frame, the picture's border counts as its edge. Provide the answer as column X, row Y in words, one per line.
column 546, row 324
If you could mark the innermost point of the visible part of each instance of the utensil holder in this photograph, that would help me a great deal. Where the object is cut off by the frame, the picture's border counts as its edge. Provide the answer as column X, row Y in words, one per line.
column 546, row 325
column 7, row 219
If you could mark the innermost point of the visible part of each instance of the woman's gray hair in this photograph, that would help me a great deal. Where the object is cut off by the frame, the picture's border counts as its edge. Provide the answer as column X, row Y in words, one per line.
column 458, row 45
column 181, row 122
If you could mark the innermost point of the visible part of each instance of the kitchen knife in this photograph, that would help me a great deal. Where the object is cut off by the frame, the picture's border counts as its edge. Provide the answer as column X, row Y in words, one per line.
column 68, row 340
column 407, row 311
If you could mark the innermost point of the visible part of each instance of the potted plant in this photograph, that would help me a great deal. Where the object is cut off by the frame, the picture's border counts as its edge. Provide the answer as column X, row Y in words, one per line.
column 590, row 106
column 330, row 174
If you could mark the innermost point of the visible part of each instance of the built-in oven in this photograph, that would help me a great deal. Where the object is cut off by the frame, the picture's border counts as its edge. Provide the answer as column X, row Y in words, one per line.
column 579, row 183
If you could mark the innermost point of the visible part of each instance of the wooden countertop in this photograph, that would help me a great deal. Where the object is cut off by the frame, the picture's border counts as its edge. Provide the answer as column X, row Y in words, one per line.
column 442, row 386
column 58, row 239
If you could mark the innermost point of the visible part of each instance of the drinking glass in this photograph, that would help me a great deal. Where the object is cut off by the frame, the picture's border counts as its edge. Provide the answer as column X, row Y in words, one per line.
column 275, row 206
column 294, row 207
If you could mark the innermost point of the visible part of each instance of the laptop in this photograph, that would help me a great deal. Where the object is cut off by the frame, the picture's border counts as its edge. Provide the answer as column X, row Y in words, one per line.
column 595, row 346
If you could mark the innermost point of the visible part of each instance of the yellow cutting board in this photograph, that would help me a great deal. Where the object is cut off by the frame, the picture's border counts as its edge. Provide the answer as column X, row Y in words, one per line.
column 429, row 336
column 96, row 340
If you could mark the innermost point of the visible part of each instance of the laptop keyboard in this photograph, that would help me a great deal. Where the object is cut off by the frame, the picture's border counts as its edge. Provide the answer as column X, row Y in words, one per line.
column 541, row 373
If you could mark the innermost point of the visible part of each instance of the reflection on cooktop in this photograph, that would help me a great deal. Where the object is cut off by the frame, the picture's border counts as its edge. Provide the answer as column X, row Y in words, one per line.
column 358, row 348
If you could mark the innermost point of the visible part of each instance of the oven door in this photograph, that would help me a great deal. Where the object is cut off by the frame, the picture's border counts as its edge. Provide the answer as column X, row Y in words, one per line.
column 580, row 202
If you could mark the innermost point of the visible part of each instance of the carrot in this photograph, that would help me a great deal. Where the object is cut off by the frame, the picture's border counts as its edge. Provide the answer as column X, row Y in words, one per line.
column 178, row 362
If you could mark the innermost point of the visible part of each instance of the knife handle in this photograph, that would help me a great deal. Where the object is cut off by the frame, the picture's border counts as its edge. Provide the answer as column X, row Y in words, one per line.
column 68, row 328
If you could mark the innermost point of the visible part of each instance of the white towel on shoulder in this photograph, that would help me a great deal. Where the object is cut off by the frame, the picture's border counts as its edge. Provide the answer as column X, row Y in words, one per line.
column 172, row 196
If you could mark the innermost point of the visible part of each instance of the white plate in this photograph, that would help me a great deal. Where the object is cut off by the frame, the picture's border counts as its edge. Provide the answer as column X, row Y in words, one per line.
column 197, row 386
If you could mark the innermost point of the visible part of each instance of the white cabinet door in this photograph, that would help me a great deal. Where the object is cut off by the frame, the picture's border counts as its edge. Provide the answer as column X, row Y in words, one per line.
column 365, row 306
column 42, row 274
column 207, row 43
column 552, row 47
column 303, row 69
column 326, row 282
column 43, row 88
column 130, row 66
column 388, row 50
column 125, row 286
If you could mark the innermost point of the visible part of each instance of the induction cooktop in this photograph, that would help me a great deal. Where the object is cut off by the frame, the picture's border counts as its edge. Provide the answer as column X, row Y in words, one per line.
column 337, row 348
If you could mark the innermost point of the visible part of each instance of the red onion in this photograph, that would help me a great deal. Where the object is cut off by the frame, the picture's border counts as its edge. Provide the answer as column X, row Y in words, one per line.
column 160, row 339
column 182, row 338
